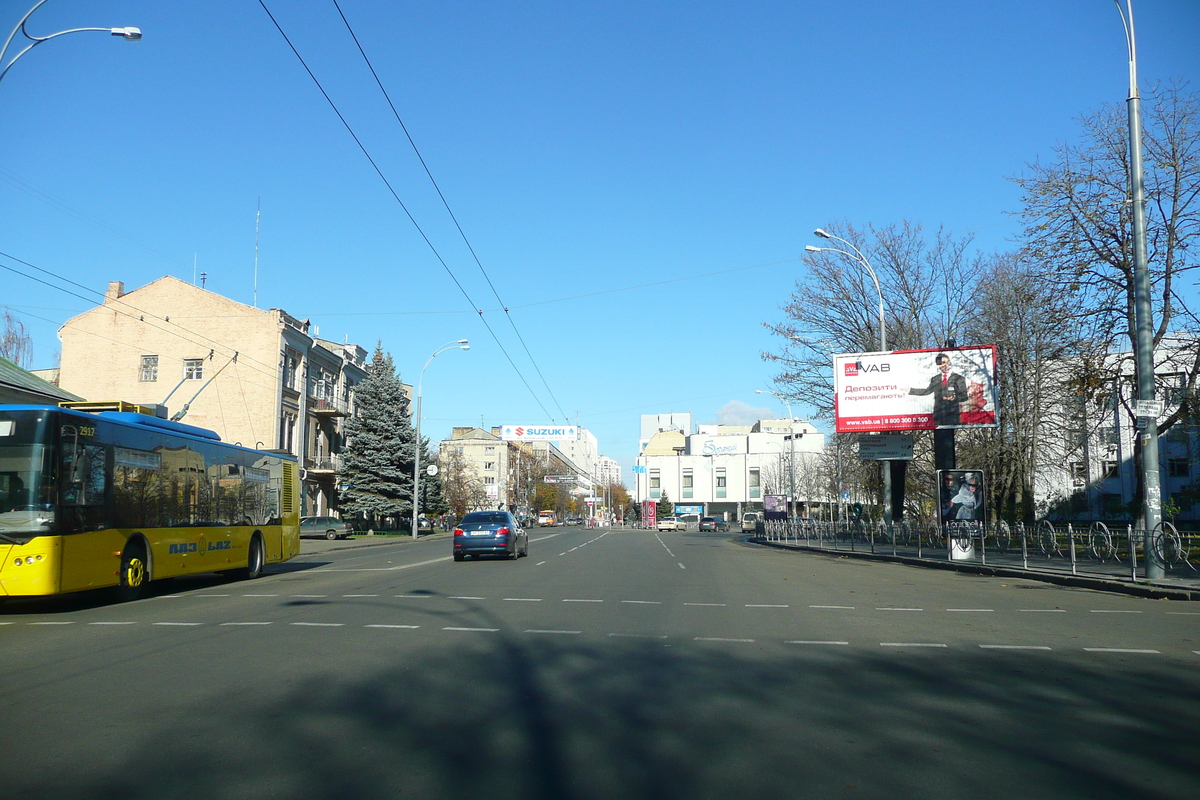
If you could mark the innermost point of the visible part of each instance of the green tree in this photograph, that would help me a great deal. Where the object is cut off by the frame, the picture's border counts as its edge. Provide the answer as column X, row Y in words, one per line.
column 378, row 459
column 665, row 507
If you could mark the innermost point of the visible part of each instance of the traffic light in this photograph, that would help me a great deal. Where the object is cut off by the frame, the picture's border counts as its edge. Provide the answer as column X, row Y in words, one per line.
column 857, row 510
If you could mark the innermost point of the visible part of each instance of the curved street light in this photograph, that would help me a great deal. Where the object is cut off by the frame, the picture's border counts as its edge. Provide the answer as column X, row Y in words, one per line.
column 129, row 34
column 862, row 261
column 460, row 344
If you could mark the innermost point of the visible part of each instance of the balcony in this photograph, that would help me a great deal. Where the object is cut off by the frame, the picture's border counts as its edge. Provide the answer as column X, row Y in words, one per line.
column 323, row 466
column 328, row 407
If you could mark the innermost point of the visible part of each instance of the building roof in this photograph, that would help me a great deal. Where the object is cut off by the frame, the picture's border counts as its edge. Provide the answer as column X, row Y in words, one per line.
column 21, row 386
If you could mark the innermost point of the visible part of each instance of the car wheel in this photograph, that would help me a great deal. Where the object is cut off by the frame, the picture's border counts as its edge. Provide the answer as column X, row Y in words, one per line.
column 331, row 535
column 459, row 556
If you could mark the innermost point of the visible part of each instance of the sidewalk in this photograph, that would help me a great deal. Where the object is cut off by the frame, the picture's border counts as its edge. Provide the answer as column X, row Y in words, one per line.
column 1110, row 577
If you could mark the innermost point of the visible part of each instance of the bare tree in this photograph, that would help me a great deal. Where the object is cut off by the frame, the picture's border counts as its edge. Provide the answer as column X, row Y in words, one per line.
column 16, row 344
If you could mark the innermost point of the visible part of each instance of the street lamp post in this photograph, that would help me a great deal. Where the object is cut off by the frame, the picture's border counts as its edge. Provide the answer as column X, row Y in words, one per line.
column 461, row 344
column 1143, row 315
column 865, row 264
column 129, row 34
column 792, row 441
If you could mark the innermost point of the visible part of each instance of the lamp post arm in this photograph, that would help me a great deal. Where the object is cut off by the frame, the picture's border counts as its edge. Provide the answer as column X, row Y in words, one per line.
column 862, row 260
column 132, row 34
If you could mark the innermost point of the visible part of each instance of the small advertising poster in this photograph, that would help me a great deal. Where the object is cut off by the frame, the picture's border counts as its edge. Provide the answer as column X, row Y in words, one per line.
column 960, row 496
column 650, row 513
column 774, row 507
column 907, row 390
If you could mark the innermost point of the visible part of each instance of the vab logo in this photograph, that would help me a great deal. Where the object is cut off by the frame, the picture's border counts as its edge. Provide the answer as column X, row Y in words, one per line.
column 851, row 369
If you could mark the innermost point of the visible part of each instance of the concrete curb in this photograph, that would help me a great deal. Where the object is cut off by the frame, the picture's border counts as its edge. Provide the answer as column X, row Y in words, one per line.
column 1149, row 590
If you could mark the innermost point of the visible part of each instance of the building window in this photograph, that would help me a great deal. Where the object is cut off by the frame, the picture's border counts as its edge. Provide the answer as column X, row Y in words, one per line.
column 755, row 483
column 490, row 480
column 687, row 484
column 1110, row 469
column 193, row 369
column 720, row 481
column 149, row 372
column 489, row 449
column 489, row 465
column 1108, row 435
column 291, row 364
column 1078, row 471
column 1178, row 467
column 655, row 484
column 287, row 433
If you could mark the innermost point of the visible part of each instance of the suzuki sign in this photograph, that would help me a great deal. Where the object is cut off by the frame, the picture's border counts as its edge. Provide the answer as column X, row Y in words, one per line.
column 539, row 433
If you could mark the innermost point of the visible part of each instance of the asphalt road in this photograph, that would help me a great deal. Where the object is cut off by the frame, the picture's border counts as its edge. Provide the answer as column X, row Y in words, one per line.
column 626, row 664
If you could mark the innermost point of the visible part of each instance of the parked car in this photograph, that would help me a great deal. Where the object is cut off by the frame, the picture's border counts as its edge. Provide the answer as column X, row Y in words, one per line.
column 325, row 528
column 713, row 524
column 749, row 522
column 672, row 524
column 494, row 533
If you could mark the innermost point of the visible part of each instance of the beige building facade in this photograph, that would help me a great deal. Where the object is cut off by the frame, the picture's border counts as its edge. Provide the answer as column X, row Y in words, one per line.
column 258, row 377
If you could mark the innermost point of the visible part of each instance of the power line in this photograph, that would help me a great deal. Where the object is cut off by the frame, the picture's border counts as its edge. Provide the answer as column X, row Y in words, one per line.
column 400, row 202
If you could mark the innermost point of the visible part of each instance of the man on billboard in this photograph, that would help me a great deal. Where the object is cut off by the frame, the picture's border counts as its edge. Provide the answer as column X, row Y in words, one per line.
column 949, row 389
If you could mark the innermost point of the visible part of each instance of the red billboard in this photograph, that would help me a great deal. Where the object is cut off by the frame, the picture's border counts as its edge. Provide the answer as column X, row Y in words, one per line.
column 912, row 390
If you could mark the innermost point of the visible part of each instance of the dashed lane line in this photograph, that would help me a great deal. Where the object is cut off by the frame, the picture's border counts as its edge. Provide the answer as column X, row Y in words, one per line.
column 472, row 630
column 713, row 605
column 1013, row 647
column 812, row 641
column 765, row 605
column 179, row 624
column 522, row 599
column 1119, row 650
column 382, row 625
column 719, row 639
column 681, row 566
column 1042, row 610
column 899, row 609
column 113, row 623
column 644, row 602
column 360, row 595
column 912, row 644
column 1111, row 611
column 310, row 596
column 414, row 596
column 971, row 610
column 564, row 633
column 260, row 595
column 580, row 600
column 318, row 624
column 242, row 624
column 538, row 564
column 846, row 608
column 636, row 636
column 465, row 597
column 59, row 622
column 210, row 595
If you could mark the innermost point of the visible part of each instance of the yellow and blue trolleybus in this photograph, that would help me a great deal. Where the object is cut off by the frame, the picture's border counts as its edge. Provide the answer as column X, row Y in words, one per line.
column 120, row 498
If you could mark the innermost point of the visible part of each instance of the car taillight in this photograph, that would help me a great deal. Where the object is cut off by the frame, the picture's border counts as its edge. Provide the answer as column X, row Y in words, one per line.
column 459, row 532
column 502, row 532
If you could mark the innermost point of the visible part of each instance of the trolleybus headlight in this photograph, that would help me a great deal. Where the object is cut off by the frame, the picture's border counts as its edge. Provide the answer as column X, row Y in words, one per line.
column 28, row 559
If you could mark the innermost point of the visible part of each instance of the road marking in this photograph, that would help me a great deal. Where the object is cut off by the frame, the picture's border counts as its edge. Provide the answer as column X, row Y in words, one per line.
column 360, row 595
column 1183, row 613
column 1117, row 650
column 210, row 595
column 575, row 600
column 1108, row 611
column 805, row 641
column 970, row 609
column 112, row 623
column 681, row 566
column 1013, row 647
column 223, row 624
column 318, row 624
column 911, row 644
column 899, row 609
column 721, row 605
column 523, row 599
column 260, row 595
column 310, row 595
column 465, row 597
column 52, row 623
column 764, row 605
column 848, row 608
column 565, row 633
column 414, row 596
column 381, row 625
column 562, row 554
column 538, row 564
column 635, row 636
column 481, row 630
column 644, row 602
column 1043, row 610
column 718, row 639
column 179, row 624
column 5, row 623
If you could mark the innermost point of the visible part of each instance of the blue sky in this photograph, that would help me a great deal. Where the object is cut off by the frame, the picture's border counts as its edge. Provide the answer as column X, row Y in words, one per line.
column 637, row 178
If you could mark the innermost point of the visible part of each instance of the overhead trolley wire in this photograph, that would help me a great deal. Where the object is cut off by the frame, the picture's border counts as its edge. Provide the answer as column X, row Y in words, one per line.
column 400, row 202
column 446, row 203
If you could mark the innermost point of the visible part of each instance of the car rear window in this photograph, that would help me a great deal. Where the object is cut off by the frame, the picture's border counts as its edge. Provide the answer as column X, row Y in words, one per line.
column 485, row 517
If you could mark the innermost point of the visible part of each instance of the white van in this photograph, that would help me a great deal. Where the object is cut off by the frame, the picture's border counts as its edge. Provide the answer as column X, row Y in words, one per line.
column 749, row 521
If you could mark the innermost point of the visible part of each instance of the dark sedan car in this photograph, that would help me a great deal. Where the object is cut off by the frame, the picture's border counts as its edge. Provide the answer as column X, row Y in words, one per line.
column 714, row 524
column 324, row 528
column 490, row 533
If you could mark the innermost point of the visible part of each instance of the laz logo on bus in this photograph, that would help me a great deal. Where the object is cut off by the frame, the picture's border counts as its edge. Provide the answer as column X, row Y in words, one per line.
column 193, row 547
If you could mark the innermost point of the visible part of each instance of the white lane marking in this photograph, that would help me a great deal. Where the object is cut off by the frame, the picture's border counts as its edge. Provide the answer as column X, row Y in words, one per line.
column 721, row 605
column 1108, row 611
column 681, row 566
column 310, row 595
column 911, row 644
column 1042, row 610
column 112, row 623
column 544, row 538
column 573, row 549
column 5, row 623
column 635, row 636
column 318, row 624
column 538, row 564
column 805, row 641
column 576, row 600
column 210, row 595
column 179, row 624
column 562, row 554
column 360, row 595
column 971, row 609
column 899, row 609
column 384, row 569
column 168, row 596
column 1013, row 647
column 414, row 596
column 764, row 605
column 465, row 597
column 1183, row 613
column 1117, row 650
column 718, row 639
column 523, row 599
column 644, row 602
column 224, row 624
column 481, row 630
column 565, row 633
column 52, row 623
column 848, row 608
column 413, row 627
column 260, row 595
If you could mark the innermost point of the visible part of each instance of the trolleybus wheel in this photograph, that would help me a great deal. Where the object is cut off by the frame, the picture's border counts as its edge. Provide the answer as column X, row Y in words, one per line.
column 254, row 558
column 134, row 573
